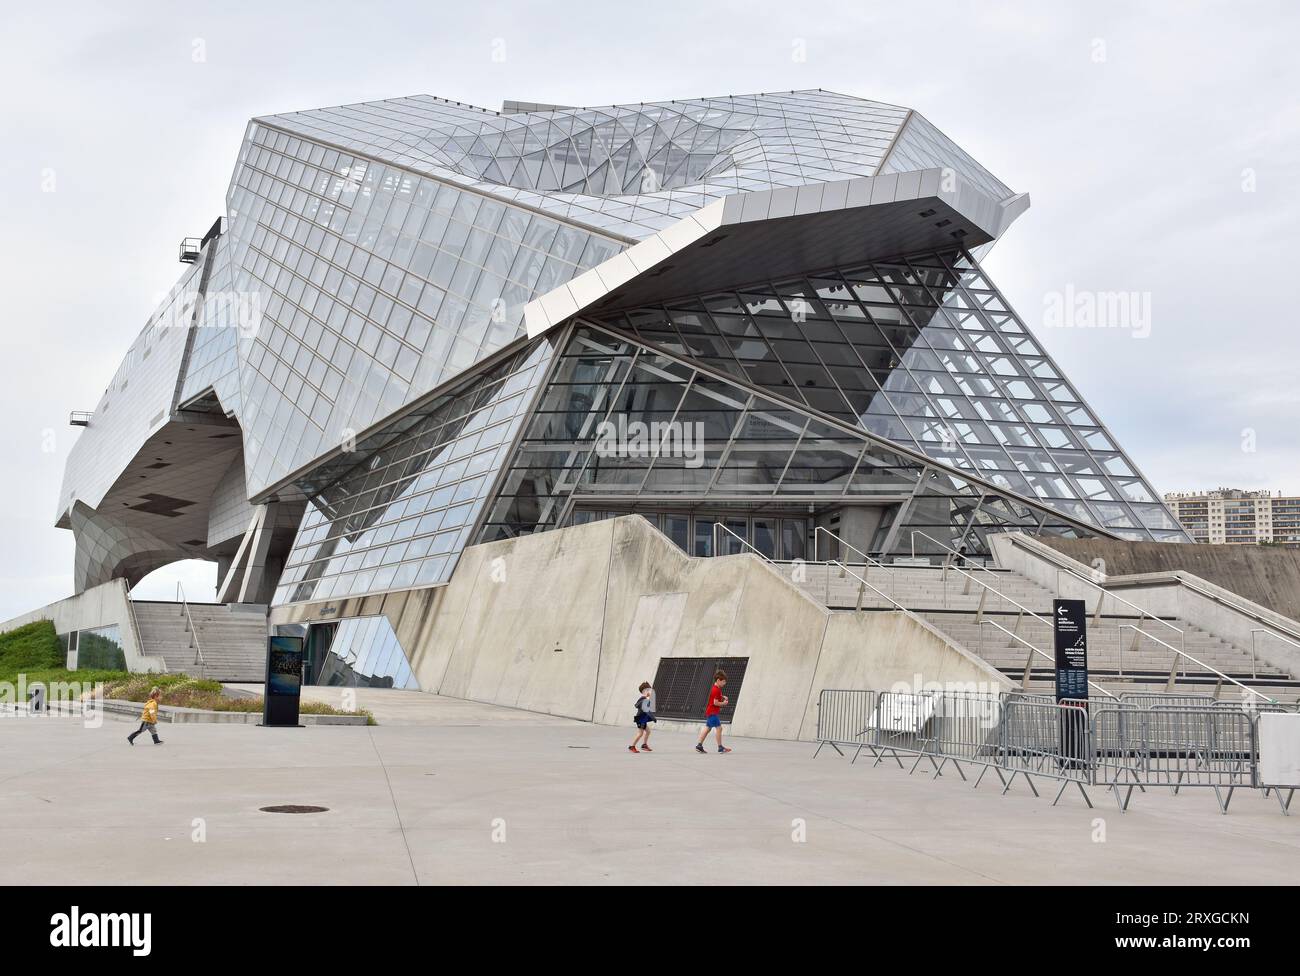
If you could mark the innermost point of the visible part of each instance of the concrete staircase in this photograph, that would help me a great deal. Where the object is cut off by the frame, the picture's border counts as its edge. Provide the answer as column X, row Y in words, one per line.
column 984, row 620
column 232, row 638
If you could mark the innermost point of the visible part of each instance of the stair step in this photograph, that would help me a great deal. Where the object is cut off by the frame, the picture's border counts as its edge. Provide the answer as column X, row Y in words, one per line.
column 1024, row 607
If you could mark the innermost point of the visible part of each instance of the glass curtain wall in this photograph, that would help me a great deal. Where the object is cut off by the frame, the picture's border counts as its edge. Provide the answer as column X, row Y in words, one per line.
column 395, row 512
column 718, row 443
column 922, row 351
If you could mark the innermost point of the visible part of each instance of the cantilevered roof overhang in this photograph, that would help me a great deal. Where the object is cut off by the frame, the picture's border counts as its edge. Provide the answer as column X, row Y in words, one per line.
column 785, row 231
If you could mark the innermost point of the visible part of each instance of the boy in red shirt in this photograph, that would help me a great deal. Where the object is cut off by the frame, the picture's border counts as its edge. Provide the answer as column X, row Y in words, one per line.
column 713, row 713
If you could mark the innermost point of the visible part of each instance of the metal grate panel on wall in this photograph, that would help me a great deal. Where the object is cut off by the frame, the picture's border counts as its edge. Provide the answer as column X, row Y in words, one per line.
column 682, row 685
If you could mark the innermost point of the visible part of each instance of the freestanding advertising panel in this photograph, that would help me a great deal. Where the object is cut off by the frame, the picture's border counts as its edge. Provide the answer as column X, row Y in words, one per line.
column 284, row 657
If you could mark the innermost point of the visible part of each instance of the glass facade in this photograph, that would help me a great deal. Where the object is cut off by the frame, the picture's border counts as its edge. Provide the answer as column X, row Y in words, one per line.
column 213, row 361
column 99, row 648
column 629, row 170
column 359, row 652
column 720, row 444
column 361, row 321
column 922, row 351
column 395, row 512
column 374, row 287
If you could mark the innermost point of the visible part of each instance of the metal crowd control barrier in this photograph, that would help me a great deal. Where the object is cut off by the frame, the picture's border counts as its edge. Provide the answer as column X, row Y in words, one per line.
column 1141, row 741
column 1048, row 740
column 1147, row 699
column 1176, row 746
column 842, row 717
column 963, row 729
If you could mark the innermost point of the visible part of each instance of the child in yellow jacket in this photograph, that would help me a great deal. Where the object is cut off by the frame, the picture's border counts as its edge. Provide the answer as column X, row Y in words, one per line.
column 149, row 718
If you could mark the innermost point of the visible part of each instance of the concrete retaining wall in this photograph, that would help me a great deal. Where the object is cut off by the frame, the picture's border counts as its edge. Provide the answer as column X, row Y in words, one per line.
column 1264, row 575
column 570, row 622
column 100, row 606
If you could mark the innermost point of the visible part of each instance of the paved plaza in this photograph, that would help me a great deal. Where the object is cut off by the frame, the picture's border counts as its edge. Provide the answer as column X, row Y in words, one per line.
column 467, row 793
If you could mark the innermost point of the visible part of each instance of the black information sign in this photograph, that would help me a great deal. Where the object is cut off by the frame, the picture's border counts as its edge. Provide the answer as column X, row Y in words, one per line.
column 283, row 681
column 1069, row 629
column 1070, row 633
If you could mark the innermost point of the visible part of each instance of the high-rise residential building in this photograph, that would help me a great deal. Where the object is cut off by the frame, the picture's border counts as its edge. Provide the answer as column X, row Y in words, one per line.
column 423, row 325
column 1230, row 516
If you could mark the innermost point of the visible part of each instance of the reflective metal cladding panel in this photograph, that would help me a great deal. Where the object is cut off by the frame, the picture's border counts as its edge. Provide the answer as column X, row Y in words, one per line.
column 362, row 324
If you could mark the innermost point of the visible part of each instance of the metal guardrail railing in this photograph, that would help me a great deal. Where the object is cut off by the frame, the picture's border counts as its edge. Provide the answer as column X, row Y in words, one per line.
column 1029, row 658
column 867, row 558
column 135, row 624
column 980, row 619
column 864, row 583
column 1177, row 666
column 1175, row 670
column 193, row 631
column 1143, row 614
column 717, row 550
column 1238, row 605
column 1254, row 645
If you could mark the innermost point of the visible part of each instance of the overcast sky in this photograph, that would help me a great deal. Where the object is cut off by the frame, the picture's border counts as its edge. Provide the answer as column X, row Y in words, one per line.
column 1160, row 145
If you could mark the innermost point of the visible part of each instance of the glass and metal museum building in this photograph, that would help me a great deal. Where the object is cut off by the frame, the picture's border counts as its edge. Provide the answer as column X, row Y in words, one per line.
column 423, row 325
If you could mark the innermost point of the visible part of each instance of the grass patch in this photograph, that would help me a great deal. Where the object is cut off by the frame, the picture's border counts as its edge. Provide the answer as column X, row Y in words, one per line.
column 31, row 647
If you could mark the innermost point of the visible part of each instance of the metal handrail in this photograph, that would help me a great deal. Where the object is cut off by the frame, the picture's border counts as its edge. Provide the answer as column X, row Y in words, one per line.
column 863, row 580
column 847, row 545
column 743, row 541
column 1144, row 614
column 194, row 631
column 1173, row 670
column 977, row 582
column 947, row 563
column 1041, row 653
column 899, row 606
column 1254, row 641
column 1236, row 605
column 868, row 559
column 135, row 624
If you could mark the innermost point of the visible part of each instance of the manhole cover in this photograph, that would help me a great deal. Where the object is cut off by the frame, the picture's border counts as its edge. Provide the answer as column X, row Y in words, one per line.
column 293, row 808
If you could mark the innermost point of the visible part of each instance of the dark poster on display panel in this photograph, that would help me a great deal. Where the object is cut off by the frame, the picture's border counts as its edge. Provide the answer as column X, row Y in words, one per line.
column 284, row 660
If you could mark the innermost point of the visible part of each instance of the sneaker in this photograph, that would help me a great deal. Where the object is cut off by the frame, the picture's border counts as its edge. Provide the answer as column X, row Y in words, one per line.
column 158, row 742
column 646, row 749
column 699, row 748
column 130, row 740
column 631, row 749
column 722, row 749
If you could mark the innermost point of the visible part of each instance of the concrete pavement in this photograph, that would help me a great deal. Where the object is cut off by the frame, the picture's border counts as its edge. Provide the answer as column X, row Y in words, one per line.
column 497, row 796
